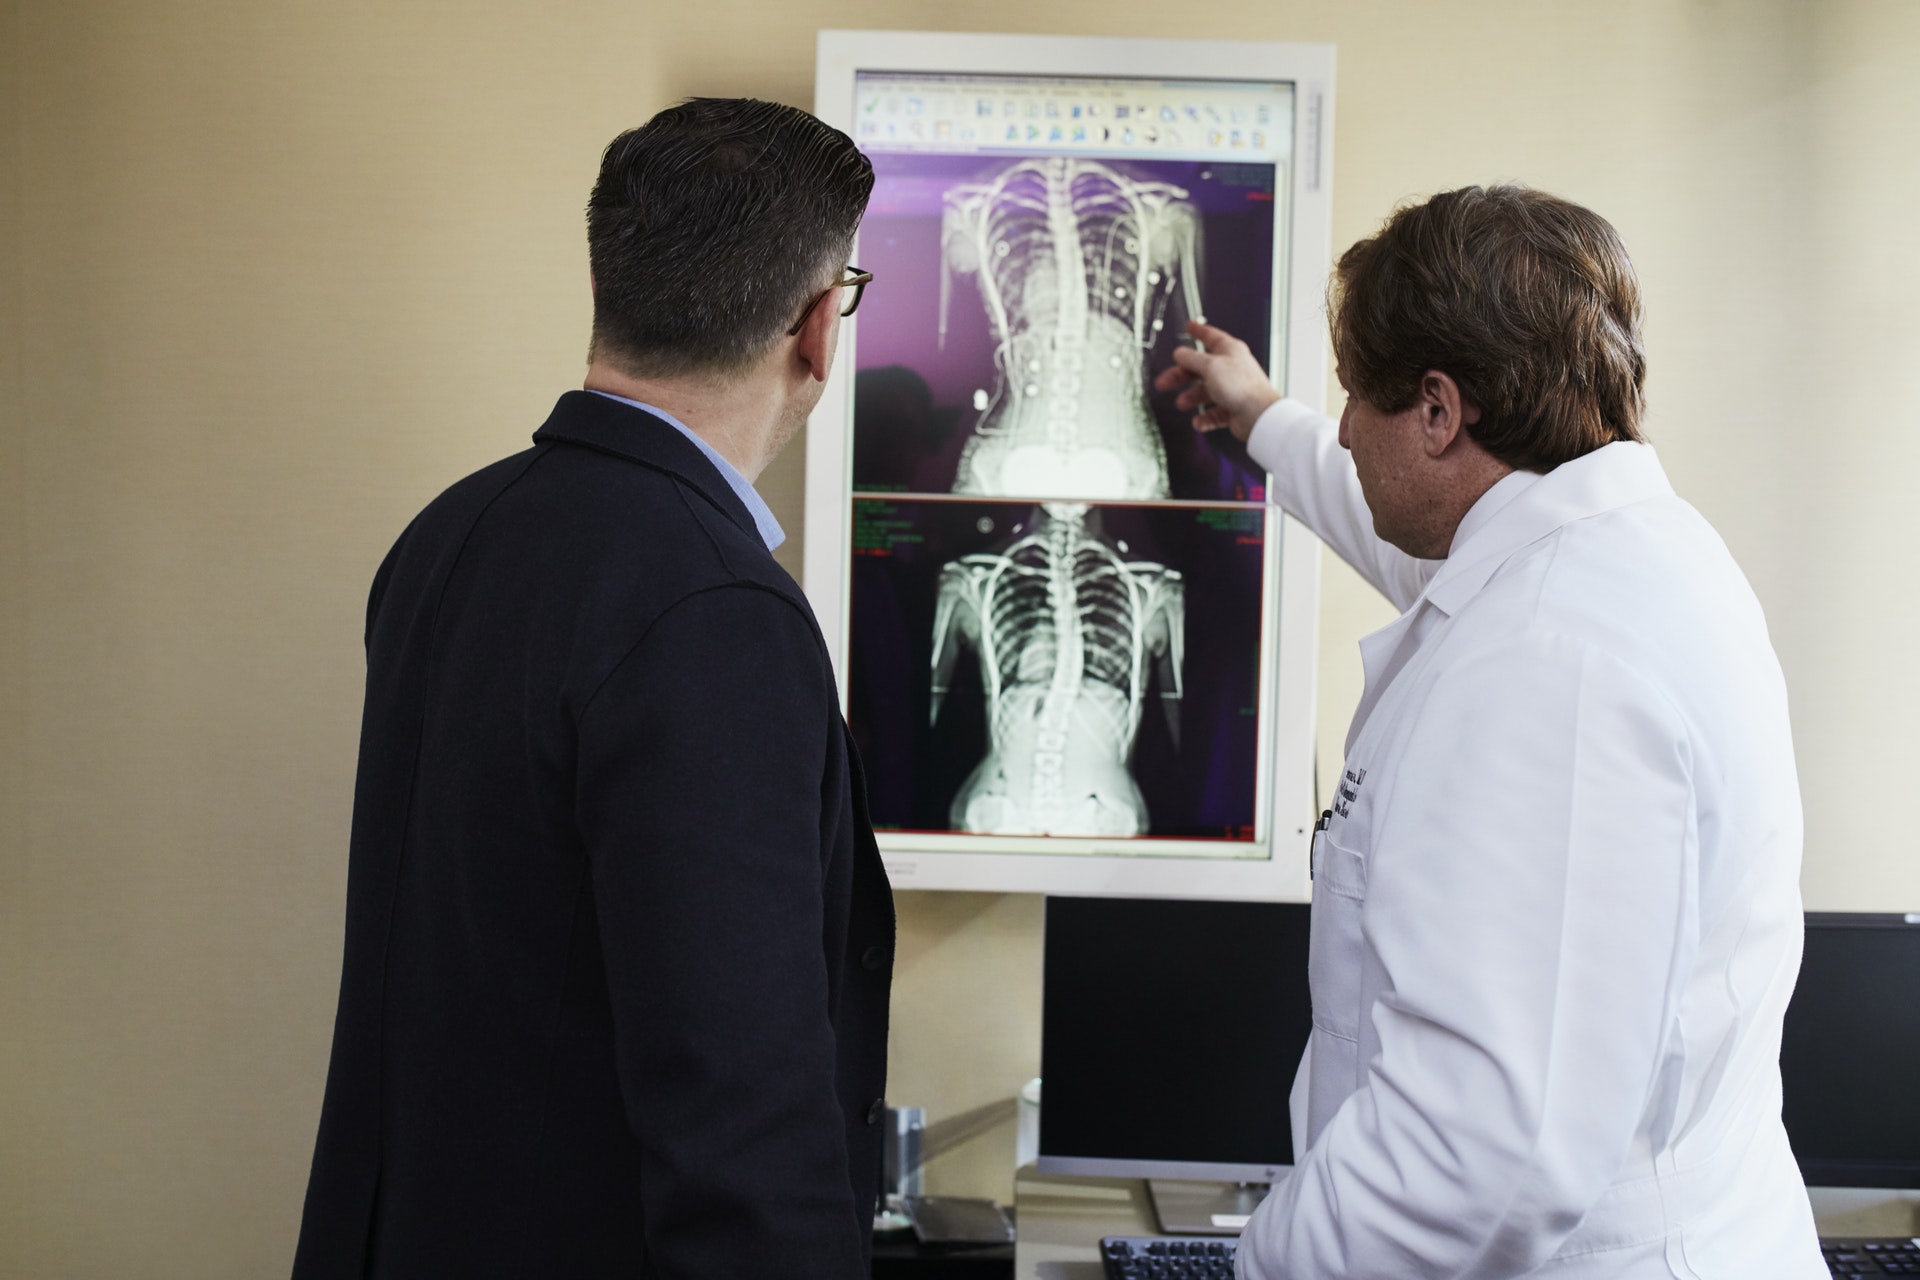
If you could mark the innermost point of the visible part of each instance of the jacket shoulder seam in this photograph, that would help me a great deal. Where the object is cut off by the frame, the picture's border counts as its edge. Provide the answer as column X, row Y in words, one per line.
column 732, row 584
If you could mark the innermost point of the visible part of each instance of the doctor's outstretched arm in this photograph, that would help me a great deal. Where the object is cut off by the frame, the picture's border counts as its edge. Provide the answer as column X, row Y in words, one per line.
column 1313, row 477
column 1531, row 896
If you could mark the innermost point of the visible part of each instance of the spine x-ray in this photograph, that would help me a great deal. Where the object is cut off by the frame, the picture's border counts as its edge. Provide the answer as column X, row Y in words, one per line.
column 1041, row 669
column 1076, row 262
column 1068, row 632
column 1055, row 640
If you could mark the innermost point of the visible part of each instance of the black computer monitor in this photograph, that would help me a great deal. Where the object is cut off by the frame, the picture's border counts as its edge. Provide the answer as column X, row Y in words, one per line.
column 1169, row 1037
column 1850, row 1055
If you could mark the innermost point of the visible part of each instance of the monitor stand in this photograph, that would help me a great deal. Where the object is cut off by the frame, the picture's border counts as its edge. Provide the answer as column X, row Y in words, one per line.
column 1204, row 1208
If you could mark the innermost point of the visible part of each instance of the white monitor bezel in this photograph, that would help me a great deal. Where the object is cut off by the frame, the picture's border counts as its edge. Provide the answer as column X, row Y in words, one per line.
column 1282, row 876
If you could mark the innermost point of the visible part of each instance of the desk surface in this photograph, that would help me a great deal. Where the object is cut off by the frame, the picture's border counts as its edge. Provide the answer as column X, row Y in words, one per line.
column 1062, row 1220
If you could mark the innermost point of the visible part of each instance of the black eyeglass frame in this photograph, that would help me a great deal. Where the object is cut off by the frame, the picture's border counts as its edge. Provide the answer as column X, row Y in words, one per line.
column 858, row 282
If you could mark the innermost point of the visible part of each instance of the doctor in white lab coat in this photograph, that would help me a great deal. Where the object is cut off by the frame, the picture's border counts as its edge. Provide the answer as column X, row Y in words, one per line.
column 1556, row 915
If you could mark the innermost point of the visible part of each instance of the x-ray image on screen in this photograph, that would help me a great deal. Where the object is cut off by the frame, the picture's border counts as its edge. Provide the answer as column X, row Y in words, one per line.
column 1057, row 668
column 1020, row 308
column 1069, row 633
column 1075, row 263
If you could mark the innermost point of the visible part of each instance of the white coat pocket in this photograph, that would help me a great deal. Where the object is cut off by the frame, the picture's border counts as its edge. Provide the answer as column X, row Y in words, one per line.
column 1335, row 951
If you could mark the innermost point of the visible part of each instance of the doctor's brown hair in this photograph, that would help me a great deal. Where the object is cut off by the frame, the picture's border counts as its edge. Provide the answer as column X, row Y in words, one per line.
column 1527, row 301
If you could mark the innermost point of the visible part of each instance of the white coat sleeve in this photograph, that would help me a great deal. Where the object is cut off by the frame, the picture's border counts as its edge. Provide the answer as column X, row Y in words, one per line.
column 1530, row 893
column 1314, row 482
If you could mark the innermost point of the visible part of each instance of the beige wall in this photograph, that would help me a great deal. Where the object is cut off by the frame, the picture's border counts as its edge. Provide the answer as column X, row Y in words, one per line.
column 275, row 273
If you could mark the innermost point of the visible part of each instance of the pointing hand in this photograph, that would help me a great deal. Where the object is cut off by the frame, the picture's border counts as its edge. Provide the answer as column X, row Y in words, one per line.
column 1222, row 386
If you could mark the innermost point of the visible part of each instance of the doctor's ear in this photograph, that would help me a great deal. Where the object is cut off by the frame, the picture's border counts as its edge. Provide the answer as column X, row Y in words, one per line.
column 1445, row 413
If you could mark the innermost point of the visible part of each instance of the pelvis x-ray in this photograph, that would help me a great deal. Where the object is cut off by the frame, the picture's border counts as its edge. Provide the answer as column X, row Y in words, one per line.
column 1070, row 634
column 1057, row 669
column 1076, row 263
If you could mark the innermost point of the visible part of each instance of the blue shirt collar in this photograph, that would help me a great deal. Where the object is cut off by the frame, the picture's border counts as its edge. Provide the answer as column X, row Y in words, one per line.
column 770, row 531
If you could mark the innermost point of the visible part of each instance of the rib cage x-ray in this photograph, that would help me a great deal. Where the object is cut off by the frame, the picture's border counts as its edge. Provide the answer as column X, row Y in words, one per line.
column 1076, row 262
column 1070, row 635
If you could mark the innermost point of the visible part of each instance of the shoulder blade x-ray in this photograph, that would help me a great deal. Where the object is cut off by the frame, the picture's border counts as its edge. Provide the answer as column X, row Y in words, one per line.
column 1068, row 633
column 1076, row 263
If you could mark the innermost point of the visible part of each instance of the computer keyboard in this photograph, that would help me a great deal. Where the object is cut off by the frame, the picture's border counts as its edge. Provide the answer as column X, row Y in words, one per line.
column 1168, row 1257
column 1850, row 1258
column 1211, row 1258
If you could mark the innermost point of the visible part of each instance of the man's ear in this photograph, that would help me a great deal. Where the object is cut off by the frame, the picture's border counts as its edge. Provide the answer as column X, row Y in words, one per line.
column 813, row 345
column 1444, row 412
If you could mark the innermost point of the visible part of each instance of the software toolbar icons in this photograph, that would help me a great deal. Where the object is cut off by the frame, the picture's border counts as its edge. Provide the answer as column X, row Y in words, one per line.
column 941, row 117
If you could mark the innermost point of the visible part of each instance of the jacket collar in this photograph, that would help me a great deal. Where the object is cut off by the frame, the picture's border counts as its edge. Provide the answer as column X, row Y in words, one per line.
column 611, row 427
column 1612, row 476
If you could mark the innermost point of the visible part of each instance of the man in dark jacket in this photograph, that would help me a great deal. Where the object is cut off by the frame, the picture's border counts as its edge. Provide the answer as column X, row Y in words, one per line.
column 614, row 998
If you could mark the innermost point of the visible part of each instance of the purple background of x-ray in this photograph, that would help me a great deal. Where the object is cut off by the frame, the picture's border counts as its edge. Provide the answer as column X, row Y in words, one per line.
column 909, row 439
column 1205, row 788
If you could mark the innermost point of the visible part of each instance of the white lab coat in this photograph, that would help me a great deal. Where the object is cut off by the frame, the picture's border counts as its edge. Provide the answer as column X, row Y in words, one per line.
column 1556, row 913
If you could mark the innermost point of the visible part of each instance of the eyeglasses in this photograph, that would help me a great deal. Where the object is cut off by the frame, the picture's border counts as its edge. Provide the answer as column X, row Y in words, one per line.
column 858, row 281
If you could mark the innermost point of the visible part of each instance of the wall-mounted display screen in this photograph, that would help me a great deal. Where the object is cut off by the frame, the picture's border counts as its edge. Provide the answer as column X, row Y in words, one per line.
column 1062, row 614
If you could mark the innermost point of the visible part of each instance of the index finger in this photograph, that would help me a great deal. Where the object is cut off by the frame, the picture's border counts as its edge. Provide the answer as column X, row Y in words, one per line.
column 1212, row 339
column 1173, row 377
column 1188, row 360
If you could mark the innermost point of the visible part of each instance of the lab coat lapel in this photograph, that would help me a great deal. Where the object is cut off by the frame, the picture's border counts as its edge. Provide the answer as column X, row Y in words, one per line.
column 1610, row 477
column 1381, row 659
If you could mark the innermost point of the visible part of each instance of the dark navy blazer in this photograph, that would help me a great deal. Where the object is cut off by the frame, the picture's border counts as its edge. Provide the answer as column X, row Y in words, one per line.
column 618, row 947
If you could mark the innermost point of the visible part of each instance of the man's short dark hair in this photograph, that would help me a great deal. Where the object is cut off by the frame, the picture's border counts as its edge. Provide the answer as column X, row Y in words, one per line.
column 1527, row 301
column 711, row 226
